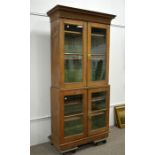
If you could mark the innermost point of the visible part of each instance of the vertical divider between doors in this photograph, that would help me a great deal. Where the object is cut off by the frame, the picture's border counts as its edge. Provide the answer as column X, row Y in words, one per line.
column 88, row 52
column 87, row 78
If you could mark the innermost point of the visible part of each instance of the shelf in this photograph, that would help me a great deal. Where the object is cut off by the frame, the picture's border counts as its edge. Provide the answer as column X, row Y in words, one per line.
column 73, row 32
column 97, row 35
column 98, row 121
column 74, row 53
column 72, row 59
column 97, row 58
column 73, row 103
column 74, row 127
column 98, row 54
column 97, row 112
column 73, row 117
column 97, row 99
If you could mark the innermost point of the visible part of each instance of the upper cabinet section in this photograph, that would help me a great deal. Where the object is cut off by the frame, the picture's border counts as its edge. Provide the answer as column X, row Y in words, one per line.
column 80, row 47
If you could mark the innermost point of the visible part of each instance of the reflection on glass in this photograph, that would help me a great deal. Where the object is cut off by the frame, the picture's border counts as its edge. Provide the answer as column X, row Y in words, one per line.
column 73, row 53
column 73, row 126
column 73, row 39
column 73, row 68
column 98, row 121
column 98, row 49
column 98, row 101
column 73, row 43
column 73, row 104
column 97, row 68
column 98, row 41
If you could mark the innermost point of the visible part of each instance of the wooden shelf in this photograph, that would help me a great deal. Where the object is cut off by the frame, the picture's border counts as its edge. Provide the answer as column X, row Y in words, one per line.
column 99, row 54
column 97, row 99
column 73, row 103
column 73, row 59
column 73, row 32
column 73, row 53
column 73, row 117
column 98, row 112
column 97, row 35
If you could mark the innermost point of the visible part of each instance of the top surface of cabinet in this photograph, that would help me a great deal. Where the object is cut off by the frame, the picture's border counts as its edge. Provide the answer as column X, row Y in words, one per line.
column 60, row 11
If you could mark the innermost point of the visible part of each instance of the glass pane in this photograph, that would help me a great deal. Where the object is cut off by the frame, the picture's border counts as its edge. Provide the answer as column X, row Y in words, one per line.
column 98, row 101
column 73, row 126
column 98, row 41
column 73, row 104
column 98, row 121
column 73, row 39
column 97, row 68
column 73, row 68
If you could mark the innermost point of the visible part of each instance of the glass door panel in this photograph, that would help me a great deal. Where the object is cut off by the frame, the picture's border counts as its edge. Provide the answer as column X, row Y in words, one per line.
column 73, row 105
column 98, row 121
column 73, row 68
column 98, row 101
column 97, row 68
column 98, row 41
column 98, row 49
column 97, row 54
column 73, row 126
column 73, row 114
column 73, row 39
column 73, row 53
column 98, row 110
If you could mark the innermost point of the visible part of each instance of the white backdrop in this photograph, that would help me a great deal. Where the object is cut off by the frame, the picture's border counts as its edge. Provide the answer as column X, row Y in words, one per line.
column 40, row 60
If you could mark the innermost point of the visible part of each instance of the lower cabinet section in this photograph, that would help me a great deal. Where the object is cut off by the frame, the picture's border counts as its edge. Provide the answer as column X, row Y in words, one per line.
column 79, row 116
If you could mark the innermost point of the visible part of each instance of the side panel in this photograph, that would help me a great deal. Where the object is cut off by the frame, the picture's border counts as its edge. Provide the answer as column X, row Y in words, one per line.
column 55, row 53
column 55, row 114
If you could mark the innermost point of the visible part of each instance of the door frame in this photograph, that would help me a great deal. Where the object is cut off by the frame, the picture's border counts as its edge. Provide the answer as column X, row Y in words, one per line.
column 93, row 90
column 101, row 82
column 85, row 109
column 84, row 53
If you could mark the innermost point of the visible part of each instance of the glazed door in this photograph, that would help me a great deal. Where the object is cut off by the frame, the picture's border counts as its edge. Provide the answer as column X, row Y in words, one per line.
column 74, row 114
column 98, row 110
column 98, row 55
column 73, row 42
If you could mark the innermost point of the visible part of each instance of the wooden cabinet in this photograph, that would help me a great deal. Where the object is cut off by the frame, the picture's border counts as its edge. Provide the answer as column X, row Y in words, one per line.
column 80, row 67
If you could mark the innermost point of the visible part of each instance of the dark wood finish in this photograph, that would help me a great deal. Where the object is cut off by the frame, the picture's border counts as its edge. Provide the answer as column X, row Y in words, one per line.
column 60, row 15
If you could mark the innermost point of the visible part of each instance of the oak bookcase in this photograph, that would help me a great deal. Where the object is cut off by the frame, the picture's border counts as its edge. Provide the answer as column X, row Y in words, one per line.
column 80, row 72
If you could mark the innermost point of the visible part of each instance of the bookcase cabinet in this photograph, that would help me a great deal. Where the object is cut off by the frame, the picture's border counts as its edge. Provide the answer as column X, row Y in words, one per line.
column 80, row 90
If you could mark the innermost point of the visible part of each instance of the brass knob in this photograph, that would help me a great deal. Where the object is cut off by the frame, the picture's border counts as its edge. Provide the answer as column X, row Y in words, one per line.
column 89, row 55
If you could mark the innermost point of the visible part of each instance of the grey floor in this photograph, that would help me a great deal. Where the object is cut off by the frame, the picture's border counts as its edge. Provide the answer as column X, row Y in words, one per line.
column 115, row 146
